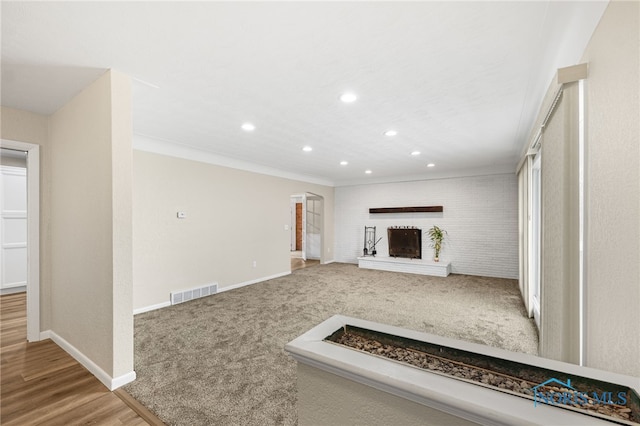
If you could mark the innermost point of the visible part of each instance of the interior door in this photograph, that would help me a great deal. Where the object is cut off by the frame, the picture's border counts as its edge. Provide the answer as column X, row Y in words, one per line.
column 13, row 227
column 304, row 227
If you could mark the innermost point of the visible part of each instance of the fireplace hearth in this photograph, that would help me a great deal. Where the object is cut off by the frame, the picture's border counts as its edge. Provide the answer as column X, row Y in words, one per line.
column 405, row 242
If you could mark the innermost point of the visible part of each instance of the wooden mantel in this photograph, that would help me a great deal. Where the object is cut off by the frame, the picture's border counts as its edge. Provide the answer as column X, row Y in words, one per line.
column 426, row 209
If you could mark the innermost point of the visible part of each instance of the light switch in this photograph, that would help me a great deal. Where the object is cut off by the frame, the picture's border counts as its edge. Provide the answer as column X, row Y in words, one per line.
column 182, row 215
column 286, row 227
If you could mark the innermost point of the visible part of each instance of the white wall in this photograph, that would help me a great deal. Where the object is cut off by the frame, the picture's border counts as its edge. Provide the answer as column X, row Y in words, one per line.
column 91, row 277
column 612, row 204
column 85, row 221
column 480, row 216
column 613, row 191
column 234, row 218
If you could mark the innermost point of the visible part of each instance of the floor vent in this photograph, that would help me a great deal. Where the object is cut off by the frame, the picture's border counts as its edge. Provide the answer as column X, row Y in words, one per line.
column 193, row 293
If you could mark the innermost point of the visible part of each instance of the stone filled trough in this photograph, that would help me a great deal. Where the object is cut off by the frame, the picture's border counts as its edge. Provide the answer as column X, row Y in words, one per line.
column 605, row 400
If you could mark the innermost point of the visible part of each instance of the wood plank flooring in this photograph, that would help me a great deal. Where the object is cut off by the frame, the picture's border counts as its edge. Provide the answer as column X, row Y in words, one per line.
column 42, row 384
column 298, row 263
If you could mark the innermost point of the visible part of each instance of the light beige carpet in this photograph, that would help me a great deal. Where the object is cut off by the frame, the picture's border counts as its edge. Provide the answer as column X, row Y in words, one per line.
column 220, row 360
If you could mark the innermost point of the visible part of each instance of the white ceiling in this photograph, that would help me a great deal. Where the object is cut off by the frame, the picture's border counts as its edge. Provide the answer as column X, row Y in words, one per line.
column 461, row 82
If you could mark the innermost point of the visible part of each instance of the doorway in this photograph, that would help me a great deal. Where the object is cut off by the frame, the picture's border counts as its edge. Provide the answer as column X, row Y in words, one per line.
column 32, row 152
column 307, row 224
column 13, row 222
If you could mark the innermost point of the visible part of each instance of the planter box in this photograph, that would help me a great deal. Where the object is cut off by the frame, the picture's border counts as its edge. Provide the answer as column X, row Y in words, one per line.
column 339, row 385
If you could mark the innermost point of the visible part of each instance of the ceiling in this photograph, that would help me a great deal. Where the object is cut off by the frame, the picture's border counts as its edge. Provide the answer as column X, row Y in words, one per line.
column 460, row 82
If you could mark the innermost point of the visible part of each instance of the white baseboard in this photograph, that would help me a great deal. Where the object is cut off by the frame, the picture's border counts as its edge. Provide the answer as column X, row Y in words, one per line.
column 151, row 307
column 259, row 280
column 111, row 383
column 122, row 380
column 220, row 290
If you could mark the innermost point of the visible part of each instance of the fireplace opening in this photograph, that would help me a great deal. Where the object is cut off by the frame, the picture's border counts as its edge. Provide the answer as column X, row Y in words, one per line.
column 405, row 242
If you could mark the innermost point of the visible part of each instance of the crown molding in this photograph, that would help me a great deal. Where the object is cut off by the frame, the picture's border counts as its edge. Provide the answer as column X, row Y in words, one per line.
column 173, row 149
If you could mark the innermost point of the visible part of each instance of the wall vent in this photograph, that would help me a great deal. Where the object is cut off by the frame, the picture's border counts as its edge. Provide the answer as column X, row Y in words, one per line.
column 193, row 293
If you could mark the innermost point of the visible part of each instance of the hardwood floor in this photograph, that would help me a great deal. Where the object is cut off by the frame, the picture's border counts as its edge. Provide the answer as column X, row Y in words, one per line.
column 42, row 384
column 298, row 263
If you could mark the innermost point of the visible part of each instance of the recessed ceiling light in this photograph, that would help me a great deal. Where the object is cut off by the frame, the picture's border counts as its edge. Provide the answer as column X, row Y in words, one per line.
column 414, row 153
column 344, row 163
column 248, row 127
column 430, row 165
column 368, row 172
column 307, row 149
column 348, row 97
column 390, row 133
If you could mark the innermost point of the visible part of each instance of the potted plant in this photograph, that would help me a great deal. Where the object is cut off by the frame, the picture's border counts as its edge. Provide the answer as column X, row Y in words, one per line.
column 436, row 235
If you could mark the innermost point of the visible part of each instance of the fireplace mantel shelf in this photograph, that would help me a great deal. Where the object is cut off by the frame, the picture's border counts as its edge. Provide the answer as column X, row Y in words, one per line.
column 409, row 266
column 425, row 209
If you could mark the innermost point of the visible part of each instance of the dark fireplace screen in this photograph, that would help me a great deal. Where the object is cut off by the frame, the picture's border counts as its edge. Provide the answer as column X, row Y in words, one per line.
column 405, row 242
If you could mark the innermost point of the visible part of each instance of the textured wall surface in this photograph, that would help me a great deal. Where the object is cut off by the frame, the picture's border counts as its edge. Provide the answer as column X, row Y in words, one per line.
column 613, row 192
column 91, row 246
column 480, row 216
column 327, row 399
column 559, row 280
column 234, row 218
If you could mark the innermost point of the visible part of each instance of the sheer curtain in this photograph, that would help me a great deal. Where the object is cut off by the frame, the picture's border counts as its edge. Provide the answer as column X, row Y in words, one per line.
column 524, row 232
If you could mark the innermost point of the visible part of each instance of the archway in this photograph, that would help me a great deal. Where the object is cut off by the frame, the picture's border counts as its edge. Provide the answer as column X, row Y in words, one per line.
column 307, row 226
